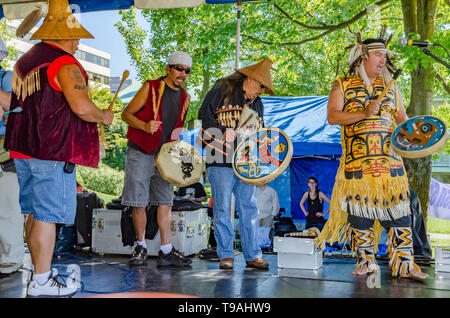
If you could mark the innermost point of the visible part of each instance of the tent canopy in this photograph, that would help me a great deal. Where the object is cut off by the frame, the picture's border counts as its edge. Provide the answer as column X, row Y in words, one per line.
column 17, row 9
column 304, row 120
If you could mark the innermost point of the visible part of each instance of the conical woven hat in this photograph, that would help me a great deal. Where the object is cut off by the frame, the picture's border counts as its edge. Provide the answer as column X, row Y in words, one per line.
column 60, row 24
column 260, row 72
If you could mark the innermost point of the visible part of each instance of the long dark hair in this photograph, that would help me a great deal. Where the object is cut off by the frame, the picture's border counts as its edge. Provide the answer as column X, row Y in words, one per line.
column 229, row 84
column 317, row 186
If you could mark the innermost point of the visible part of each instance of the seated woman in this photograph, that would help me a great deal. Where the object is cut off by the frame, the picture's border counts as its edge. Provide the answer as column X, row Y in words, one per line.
column 315, row 197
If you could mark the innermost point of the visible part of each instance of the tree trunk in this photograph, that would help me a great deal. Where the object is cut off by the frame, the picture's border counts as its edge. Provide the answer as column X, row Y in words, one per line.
column 421, row 99
column 419, row 17
column 206, row 83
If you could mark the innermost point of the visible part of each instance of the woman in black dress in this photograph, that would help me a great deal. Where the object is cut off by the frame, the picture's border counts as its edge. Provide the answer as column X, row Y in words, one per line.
column 315, row 197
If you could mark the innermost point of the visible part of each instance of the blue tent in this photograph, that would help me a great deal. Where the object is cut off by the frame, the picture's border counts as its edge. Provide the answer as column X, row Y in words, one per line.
column 317, row 147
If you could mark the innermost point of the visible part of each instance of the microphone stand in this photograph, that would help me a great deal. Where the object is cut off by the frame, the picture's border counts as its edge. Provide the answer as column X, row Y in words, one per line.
column 427, row 52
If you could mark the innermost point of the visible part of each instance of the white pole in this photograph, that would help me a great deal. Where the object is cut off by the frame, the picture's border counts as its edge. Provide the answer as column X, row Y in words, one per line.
column 238, row 32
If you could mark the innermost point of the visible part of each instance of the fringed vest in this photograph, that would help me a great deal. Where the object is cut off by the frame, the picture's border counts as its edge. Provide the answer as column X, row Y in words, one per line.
column 372, row 180
column 47, row 129
column 150, row 142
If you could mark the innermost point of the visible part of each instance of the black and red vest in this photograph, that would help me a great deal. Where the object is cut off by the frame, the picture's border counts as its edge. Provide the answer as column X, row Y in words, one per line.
column 150, row 142
column 47, row 128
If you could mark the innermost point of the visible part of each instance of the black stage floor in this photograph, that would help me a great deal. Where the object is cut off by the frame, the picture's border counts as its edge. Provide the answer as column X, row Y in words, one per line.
column 205, row 280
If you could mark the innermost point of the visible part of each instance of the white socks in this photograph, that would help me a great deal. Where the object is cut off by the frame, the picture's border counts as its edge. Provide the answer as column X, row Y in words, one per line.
column 166, row 249
column 41, row 279
column 142, row 243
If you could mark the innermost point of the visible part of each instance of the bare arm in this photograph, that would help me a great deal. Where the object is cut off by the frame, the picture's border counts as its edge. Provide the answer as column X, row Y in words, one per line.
column 302, row 201
column 336, row 115
column 139, row 101
column 73, row 85
column 324, row 197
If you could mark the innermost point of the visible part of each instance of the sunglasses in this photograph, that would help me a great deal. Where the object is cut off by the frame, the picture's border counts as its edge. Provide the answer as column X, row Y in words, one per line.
column 180, row 68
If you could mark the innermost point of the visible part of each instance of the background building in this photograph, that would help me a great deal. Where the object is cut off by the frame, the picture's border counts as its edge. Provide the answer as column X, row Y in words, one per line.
column 95, row 62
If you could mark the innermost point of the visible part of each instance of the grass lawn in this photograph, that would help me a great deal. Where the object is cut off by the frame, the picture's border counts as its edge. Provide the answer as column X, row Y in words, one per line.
column 106, row 197
column 435, row 225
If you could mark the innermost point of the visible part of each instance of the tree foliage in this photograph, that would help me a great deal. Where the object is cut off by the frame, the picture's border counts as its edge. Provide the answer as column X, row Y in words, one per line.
column 307, row 40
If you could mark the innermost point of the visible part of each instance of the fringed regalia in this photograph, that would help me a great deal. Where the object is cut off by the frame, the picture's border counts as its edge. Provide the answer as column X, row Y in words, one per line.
column 371, row 181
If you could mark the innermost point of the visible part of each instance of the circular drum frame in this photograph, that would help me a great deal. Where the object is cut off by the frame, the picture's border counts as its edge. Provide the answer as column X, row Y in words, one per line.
column 269, row 177
column 427, row 150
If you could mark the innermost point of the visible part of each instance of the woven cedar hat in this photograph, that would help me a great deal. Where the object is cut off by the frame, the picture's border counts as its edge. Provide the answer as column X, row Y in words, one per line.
column 260, row 72
column 60, row 24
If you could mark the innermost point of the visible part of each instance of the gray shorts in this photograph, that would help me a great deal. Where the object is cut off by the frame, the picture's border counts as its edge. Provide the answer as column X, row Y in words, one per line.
column 144, row 184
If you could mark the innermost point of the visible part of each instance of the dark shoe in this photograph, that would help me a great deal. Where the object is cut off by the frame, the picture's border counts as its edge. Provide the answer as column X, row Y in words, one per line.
column 258, row 263
column 226, row 263
column 139, row 256
column 174, row 258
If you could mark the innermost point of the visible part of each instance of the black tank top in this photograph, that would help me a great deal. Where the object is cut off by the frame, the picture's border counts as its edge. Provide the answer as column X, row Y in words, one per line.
column 315, row 206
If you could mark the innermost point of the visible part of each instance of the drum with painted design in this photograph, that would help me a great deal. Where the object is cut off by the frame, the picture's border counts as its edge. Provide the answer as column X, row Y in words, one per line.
column 419, row 137
column 179, row 163
column 262, row 156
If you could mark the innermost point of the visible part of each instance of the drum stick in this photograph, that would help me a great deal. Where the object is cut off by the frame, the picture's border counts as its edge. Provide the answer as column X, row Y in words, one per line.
column 396, row 75
column 102, row 131
column 240, row 127
column 245, row 122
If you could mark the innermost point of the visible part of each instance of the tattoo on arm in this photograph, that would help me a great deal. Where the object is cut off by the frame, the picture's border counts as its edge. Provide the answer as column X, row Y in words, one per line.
column 80, row 87
column 78, row 76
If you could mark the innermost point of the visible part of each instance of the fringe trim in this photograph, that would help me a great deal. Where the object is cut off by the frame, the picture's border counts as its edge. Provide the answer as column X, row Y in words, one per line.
column 400, row 248
column 385, row 198
column 24, row 87
column 337, row 229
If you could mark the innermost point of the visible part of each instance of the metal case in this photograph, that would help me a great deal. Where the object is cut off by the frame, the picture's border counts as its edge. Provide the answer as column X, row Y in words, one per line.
column 189, row 233
column 297, row 252
column 442, row 259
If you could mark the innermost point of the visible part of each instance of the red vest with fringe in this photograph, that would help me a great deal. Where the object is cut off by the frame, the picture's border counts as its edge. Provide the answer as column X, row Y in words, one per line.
column 47, row 128
column 150, row 142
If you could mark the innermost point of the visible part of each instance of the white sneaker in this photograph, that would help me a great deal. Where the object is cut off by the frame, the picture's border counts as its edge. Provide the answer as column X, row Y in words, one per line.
column 52, row 288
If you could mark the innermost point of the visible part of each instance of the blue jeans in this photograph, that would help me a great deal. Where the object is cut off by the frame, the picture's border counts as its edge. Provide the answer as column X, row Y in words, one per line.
column 223, row 183
column 46, row 191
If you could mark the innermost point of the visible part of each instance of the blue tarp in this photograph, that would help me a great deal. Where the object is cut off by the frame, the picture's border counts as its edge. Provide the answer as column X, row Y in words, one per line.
column 304, row 120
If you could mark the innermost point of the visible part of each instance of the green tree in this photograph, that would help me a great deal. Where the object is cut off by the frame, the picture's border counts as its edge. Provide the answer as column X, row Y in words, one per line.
column 307, row 40
column 108, row 178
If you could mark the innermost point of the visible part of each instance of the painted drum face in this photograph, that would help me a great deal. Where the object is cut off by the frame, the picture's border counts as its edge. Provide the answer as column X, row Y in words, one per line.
column 179, row 163
column 419, row 137
column 262, row 156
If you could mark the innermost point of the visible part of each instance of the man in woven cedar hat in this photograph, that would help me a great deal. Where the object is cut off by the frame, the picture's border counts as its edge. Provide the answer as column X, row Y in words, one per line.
column 56, row 129
column 220, row 113
column 371, row 189
column 155, row 116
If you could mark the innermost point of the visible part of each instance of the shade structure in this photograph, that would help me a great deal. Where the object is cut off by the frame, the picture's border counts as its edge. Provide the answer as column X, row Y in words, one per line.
column 19, row 9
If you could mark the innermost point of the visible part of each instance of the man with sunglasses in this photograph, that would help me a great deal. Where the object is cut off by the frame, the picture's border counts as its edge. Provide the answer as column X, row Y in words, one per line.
column 155, row 116
column 220, row 114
